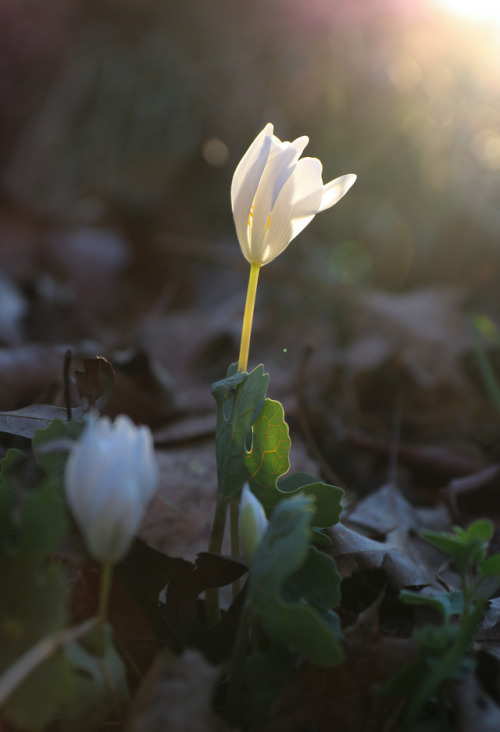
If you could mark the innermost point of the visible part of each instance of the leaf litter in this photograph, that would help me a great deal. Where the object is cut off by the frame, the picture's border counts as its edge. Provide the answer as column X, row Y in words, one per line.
column 376, row 547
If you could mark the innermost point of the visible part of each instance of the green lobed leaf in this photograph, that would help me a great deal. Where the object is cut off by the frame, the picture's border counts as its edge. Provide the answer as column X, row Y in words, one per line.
column 308, row 582
column 264, row 676
column 490, row 567
column 32, row 606
column 240, row 397
column 99, row 683
column 328, row 506
column 32, row 518
column 281, row 593
column 253, row 445
column 446, row 603
column 463, row 545
column 268, row 458
column 482, row 530
column 448, row 544
column 43, row 519
column 267, row 461
column 53, row 461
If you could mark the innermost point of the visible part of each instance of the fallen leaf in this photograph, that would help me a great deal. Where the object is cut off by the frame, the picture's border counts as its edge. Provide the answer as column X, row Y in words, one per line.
column 177, row 695
column 179, row 519
column 354, row 552
column 426, row 328
column 474, row 709
column 25, row 422
column 27, row 371
column 95, row 382
column 346, row 696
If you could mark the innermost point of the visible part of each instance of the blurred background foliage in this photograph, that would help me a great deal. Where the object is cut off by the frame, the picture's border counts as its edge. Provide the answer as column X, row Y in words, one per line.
column 134, row 114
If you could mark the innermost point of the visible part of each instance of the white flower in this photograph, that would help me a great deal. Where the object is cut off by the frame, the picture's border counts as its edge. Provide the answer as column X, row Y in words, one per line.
column 111, row 475
column 252, row 523
column 274, row 195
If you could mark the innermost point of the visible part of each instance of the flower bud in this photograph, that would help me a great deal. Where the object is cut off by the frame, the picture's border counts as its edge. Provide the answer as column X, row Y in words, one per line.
column 111, row 475
column 274, row 195
column 252, row 523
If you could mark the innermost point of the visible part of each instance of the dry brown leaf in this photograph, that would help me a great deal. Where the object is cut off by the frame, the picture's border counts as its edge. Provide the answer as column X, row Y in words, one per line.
column 176, row 697
column 474, row 708
column 425, row 328
column 27, row 371
column 179, row 519
column 347, row 696
column 353, row 552
column 25, row 422
column 95, row 381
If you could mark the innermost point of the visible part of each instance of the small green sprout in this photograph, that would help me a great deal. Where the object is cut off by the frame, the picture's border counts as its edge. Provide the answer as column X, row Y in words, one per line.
column 443, row 652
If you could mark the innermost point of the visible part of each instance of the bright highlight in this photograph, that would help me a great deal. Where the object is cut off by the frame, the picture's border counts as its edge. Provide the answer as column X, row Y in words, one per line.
column 488, row 10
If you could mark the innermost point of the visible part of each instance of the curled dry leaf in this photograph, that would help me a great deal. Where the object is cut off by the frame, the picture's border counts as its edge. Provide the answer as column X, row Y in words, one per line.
column 95, row 382
column 354, row 552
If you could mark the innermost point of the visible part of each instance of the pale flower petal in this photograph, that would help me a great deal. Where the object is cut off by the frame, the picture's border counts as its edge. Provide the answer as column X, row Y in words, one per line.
column 274, row 195
column 296, row 206
column 111, row 475
column 279, row 169
column 252, row 523
column 245, row 182
column 336, row 189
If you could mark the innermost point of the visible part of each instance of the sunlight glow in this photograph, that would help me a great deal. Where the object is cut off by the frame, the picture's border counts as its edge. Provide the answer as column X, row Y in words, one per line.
column 476, row 9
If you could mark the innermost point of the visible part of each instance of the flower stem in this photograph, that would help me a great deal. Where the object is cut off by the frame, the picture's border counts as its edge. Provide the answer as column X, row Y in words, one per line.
column 246, row 330
column 234, row 511
column 233, row 696
column 104, row 595
column 212, row 614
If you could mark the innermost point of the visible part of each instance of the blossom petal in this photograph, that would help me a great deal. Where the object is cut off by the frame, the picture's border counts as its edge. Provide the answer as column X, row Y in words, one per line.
column 115, row 524
column 280, row 166
column 297, row 204
column 336, row 189
column 245, row 182
column 274, row 195
column 110, row 477
column 252, row 523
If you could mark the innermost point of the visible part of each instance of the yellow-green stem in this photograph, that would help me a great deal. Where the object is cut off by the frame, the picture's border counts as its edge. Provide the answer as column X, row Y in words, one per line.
column 104, row 595
column 212, row 613
column 233, row 697
column 234, row 513
column 246, row 330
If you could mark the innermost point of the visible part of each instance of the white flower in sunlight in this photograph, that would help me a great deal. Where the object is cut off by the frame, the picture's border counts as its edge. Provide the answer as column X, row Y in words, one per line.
column 274, row 195
column 252, row 523
column 111, row 475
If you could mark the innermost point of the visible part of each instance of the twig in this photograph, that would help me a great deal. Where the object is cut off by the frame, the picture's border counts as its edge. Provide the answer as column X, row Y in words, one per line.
column 42, row 650
column 432, row 459
column 66, row 380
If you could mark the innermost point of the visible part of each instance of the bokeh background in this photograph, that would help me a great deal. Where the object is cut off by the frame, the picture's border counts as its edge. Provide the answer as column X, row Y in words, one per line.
column 121, row 123
column 134, row 113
